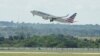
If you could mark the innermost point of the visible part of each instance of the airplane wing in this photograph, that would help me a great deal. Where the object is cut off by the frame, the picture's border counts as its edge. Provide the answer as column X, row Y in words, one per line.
column 43, row 15
column 65, row 16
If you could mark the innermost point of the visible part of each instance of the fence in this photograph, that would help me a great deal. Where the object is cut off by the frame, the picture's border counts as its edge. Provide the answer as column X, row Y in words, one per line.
column 50, row 49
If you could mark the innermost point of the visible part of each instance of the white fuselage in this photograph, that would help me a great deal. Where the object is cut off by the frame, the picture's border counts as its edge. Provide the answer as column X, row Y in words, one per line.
column 54, row 18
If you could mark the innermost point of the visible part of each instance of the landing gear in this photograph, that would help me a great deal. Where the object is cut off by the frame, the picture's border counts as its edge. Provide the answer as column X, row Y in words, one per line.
column 52, row 19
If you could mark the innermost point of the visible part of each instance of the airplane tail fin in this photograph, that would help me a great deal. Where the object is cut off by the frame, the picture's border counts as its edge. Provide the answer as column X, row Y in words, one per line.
column 72, row 17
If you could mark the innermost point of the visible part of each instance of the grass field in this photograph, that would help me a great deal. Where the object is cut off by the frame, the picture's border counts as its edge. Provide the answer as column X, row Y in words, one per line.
column 48, row 54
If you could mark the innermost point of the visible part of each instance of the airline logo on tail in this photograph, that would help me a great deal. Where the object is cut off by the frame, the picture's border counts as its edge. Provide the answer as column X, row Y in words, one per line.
column 71, row 18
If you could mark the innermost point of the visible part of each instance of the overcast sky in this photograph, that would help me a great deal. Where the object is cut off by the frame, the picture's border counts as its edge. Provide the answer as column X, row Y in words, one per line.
column 19, row 10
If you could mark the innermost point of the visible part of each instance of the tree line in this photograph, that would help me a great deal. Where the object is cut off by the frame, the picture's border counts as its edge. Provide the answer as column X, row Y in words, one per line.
column 52, row 40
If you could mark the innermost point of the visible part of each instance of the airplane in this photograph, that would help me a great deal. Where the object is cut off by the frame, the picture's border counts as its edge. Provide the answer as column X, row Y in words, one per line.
column 64, row 19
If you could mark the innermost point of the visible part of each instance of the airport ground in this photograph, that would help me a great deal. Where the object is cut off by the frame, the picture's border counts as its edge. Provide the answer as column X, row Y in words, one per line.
column 49, row 52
